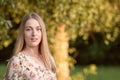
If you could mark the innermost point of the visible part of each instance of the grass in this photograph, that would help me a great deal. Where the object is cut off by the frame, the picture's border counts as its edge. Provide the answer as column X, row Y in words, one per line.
column 103, row 73
column 108, row 73
column 2, row 71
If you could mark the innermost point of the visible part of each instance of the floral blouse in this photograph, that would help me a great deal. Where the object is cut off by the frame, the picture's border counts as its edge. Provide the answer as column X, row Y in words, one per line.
column 22, row 67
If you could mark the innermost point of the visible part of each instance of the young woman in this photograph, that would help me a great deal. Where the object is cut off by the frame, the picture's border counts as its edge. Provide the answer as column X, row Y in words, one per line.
column 31, row 58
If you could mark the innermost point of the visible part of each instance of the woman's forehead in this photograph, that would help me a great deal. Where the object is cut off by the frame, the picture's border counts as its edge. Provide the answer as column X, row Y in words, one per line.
column 32, row 22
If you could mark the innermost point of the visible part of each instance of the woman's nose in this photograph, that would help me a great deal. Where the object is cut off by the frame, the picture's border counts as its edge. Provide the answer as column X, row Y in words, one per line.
column 33, row 33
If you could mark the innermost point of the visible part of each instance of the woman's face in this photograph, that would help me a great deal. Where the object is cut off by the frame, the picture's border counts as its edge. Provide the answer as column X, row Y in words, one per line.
column 32, row 33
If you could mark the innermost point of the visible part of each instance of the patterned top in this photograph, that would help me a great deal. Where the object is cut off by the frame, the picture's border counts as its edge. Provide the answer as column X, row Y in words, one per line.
column 23, row 67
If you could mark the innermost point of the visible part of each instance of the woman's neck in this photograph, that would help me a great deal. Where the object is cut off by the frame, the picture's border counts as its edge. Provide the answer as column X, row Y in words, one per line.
column 32, row 51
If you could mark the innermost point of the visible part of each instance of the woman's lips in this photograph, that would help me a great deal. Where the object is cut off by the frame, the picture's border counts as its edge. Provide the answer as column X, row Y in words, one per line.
column 34, row 39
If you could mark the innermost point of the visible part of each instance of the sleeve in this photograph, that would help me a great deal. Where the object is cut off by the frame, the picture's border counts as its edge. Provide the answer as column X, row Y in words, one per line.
column 14, row 69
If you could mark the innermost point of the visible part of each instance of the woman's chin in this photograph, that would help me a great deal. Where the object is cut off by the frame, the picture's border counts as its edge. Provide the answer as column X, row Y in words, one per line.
column 34, row 45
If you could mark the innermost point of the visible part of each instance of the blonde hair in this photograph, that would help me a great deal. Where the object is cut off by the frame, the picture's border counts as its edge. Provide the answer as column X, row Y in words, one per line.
column 43, row 49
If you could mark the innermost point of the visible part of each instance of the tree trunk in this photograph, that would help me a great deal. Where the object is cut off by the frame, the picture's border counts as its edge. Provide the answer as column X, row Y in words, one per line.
column 61, row 53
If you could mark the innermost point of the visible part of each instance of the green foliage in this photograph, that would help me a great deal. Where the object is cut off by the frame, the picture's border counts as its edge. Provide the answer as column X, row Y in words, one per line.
column 98, row 16
column 5, row 26
column 10, row 17
column 84, row 18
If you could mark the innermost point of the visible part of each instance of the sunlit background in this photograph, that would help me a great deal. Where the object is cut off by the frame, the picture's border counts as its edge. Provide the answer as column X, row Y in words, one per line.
column 83, row 35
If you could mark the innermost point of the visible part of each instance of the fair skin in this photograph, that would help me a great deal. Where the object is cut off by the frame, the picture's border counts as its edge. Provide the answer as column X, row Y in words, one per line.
column 33, row 35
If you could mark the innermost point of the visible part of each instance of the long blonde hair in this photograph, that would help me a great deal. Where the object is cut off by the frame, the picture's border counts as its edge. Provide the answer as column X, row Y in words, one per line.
column 43, row 49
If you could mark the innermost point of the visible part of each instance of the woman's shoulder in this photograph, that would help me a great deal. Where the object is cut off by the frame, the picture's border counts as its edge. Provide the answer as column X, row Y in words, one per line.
column 17, row 57
column 15, row 65
column 17, row 60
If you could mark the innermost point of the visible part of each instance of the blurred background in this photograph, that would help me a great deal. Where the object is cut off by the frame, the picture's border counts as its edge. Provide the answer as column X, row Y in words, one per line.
column 83, row 35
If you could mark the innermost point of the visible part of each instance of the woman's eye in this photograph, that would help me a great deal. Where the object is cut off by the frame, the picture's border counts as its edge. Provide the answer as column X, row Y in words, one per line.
column 28, row 29
column 38, row 29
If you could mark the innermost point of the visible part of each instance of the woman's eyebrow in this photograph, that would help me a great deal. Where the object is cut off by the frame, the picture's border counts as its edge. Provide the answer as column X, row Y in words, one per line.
column 28, row 27
column 39, row 26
